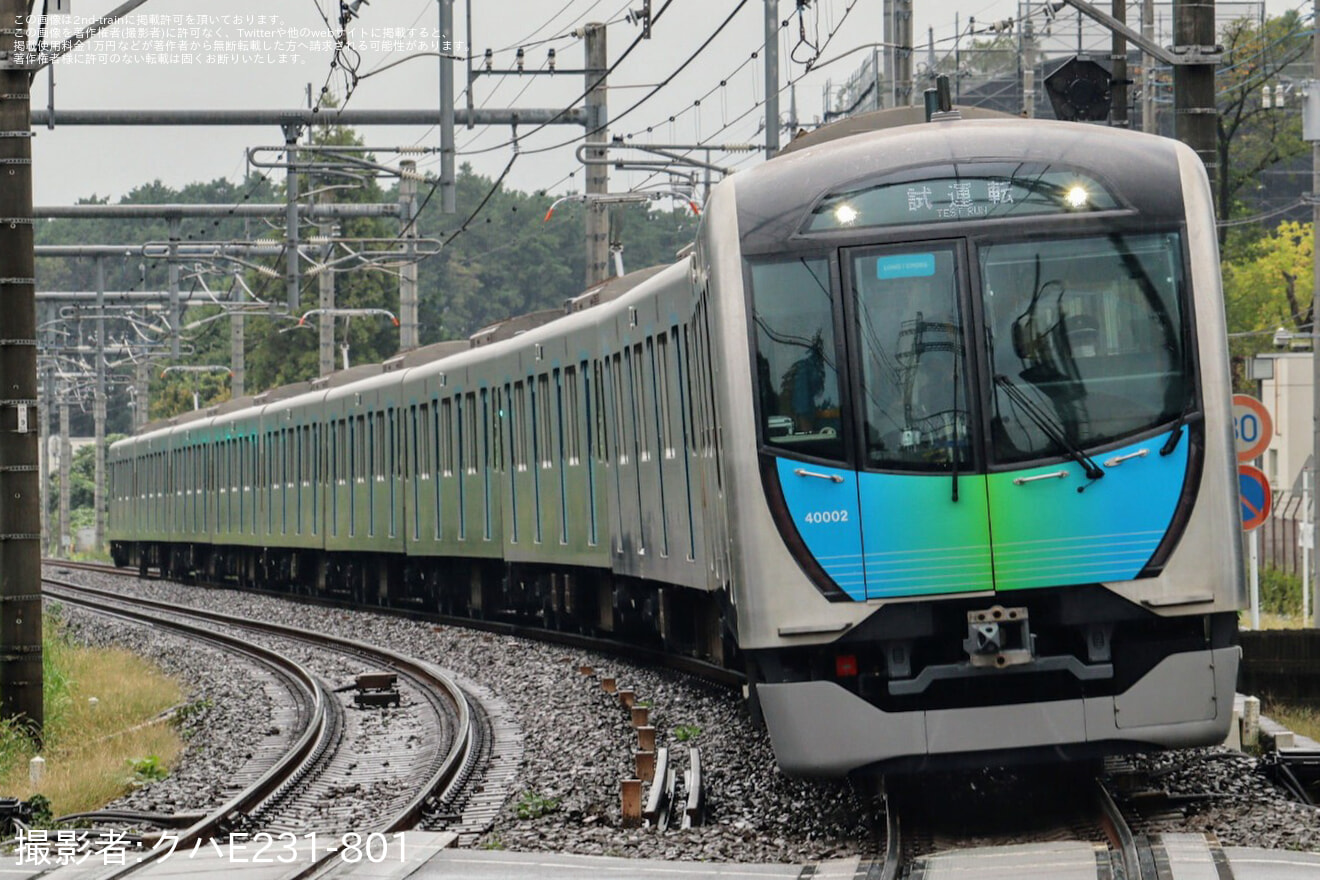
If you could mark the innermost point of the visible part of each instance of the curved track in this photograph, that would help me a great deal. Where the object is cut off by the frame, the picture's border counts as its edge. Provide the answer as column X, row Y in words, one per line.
column 313, row 748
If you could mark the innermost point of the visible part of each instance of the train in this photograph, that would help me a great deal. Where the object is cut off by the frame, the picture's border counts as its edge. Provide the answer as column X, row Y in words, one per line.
column 928, row 432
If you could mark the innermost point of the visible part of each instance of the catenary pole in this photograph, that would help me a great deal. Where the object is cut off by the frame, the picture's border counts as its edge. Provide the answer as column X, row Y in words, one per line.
column 598, row 183
column 20, row 502
column 1148, row 68
column 98, row 409
column 1195, row 114
column 1315, row 328
column 771, row 78
column 1119, row 69
column 408, row 321
column 448, row 184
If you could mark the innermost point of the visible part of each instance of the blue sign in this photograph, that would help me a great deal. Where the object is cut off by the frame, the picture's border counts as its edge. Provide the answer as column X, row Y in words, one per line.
column 1254, row 495
column 905, row 266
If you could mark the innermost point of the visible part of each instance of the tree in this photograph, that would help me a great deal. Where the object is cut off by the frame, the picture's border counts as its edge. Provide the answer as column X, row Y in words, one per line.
column 1269, row 288
column 1253, row 137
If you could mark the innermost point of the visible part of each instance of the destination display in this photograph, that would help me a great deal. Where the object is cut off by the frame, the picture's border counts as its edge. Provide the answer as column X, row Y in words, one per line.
column 972, row 192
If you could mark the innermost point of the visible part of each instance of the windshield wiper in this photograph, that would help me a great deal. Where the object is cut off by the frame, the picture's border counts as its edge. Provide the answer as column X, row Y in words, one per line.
column 1187, row 417
column 1051, row 429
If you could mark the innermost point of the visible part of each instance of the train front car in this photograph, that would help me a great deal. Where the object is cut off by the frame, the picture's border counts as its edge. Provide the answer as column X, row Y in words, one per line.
column 976, row 418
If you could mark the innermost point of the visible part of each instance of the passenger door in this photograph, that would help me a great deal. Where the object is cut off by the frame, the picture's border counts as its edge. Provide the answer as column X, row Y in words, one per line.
column 925, row 524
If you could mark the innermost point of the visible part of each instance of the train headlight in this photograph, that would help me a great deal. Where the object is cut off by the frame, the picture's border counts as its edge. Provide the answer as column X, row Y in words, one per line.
column 1076, row 197
column 846, row 214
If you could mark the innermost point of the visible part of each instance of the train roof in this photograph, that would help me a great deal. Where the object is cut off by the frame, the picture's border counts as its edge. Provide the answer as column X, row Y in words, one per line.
column 341, row 383
column 775, row 199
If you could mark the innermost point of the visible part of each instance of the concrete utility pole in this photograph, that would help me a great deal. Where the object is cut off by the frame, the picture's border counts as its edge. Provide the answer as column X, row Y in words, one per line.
column 66, row 461
column 1148, row 121
column 771, row 78
column 598, row 181
column 1118, row 115
column 326, row 300
column 237, row 344
column 1315, row 333
column 448, row 183
column 409, row 332
column 907, row 90
column 1028, row 50
column 43, row 451
column 1194, row 84
column 20, row 501
column 141, row 393
column 293, row 294
column 98, row 405
column 175, row 226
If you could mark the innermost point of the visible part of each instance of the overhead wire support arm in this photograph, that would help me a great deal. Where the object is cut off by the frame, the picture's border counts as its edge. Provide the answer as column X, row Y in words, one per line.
column 1178, row 55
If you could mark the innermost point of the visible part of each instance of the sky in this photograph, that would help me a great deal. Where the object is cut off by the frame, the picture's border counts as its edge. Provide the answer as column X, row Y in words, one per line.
column 242, row 55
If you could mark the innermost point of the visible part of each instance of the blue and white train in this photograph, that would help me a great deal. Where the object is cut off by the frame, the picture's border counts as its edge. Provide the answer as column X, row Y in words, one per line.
column 930, row 433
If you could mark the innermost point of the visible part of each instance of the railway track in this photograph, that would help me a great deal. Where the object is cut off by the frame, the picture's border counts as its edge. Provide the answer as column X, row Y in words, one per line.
column 929, row 832
column 315, row 768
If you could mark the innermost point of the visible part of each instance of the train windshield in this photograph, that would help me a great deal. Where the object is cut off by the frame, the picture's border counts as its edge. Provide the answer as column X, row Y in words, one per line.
column 796, row 362
column 911, row 357
column 1085, row 339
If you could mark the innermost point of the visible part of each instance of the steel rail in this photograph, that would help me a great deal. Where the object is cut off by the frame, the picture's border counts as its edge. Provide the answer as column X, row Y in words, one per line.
column 1120, row 835
column 275, row 776
column 431, row 681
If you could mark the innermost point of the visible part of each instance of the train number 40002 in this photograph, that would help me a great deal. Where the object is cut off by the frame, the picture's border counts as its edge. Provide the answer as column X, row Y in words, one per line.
column 817, row 517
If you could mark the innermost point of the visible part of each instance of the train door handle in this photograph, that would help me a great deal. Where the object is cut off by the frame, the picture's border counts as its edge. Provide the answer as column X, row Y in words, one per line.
column 1119, row 459
column 1059, row 475
column 833, row 478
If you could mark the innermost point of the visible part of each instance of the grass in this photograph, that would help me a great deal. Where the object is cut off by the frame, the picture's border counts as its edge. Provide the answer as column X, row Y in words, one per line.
column 94, row 751
column 1303, row 720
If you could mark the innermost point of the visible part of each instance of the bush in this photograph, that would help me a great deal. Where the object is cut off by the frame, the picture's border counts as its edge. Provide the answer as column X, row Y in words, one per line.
column 1280, row 592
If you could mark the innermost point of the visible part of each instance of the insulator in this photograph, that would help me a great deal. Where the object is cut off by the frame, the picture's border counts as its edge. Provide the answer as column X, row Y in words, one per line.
column 490, row 59
column 551, row 60
column 520, row 60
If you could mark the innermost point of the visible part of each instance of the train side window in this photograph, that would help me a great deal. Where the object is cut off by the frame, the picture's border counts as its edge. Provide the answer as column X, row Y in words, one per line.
column 360, row 449
column 470, row 438
column 518, row 429
column 637, row 378
column 689, row 390
column 572, row 435
column 616, row 380
column 797, row 377
column 663, row 413
column 447, row 432
column 423, row 441
column 497, row 429
column 599, row 423
column 544, row 428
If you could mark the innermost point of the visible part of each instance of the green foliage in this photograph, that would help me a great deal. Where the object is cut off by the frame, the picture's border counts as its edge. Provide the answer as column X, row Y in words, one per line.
column 533, row 806
column 148, row 769
column 1267, row 285
column 492, row 843
column 190, row 716
column 1280, row 592
column 1251, row 137
column 685, row 732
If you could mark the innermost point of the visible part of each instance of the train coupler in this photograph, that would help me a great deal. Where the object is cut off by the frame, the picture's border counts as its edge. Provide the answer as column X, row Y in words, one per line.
column 999, row 637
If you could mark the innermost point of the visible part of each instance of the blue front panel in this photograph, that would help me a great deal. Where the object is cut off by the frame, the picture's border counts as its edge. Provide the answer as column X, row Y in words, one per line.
column 919, row 541
column 1046, row 533
column 823, row 503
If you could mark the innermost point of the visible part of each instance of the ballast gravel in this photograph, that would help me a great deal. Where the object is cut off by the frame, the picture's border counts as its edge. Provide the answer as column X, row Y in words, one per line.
column 579, row 745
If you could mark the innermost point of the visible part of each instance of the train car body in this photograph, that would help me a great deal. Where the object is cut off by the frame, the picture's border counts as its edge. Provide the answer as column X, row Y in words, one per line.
column 930, row 433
